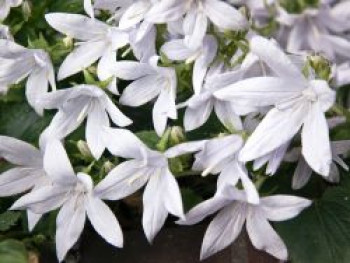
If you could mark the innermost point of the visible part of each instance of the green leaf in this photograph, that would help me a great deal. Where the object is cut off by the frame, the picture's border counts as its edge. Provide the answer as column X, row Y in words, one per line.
column 20, row 121
column 321, row 233
column 150, row 138
column 12, row 251
column 8, row 220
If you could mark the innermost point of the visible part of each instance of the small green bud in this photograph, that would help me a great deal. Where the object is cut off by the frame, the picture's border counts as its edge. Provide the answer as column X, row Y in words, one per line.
column 108, row 166
column 84, row 149
column 321, row 66
column 68, row 42
column 177, row 135
column 27, row 10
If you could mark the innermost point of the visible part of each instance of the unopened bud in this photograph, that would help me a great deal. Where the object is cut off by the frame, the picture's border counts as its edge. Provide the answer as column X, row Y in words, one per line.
column 108, row 166
column 68, row 42
column 321, row 66
column 27, row 10
column 177, row 135
column 84, row 149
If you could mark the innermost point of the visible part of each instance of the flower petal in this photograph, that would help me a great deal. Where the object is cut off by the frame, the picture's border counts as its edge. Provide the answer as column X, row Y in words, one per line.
column 276, row 129
column 122, row 181
column 223, row 230
column 283, row 207
column 19, row 152
column 104, row 221
column 81, row 57
column 315, row 141
column 70, row 223
column 264, row 237
column 301, row 175
column 77, row 26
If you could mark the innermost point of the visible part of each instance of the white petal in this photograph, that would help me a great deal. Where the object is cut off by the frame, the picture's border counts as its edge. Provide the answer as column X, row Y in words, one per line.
column 154, row 210
column 264, row 237
column 166, row 11
column 340, row 45
column 70, row 223
column 184, row 148
column 295, row 40
column 19, row 152
column 141, row 91
column 131, row 70
column 117, row 117
column 172, row 195
column 341, row 147
column 197, row 116
column 301, row 175
column 105, row 70
column 81, row 58
column 96, row 120
column 18, row 180
column 223, row 230
column 104, row 221
column 163, row 109
column 33, row 219
column 283, row 207
column 228, row 117
column 37, row 85
column 177, row 50
column 57, row 164
column 89, row 9
column 123, row 143
column 260, row 91
column 43, row 200
column 315, row 140
column 122, row 181
column 273, row 56
column 276, row 128
column 224, row 16
column 77, row 26
column 195, row 32
column 134, row 14
column 203, row 62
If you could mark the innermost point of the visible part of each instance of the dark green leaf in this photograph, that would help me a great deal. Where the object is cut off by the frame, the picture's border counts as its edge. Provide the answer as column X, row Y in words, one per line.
column 12, row 251
column 8, row 220
column 322, row 233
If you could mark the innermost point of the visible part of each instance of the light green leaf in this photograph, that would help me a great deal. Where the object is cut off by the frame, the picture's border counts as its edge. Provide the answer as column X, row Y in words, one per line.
column 12, row 251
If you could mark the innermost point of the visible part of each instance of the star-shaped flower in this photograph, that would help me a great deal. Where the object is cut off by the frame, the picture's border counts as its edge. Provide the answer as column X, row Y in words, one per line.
column 146, row 167
column 298, row 103
column 74, row 105
column 234, row 211
column 150, row 81
column 98, row 40
column 18, row 63
column 75, row 195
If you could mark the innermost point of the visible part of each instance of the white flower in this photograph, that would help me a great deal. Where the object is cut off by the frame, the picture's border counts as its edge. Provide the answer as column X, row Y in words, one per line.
column 18, row 62
column 197, row 13
column 302, row 173
column 342, row 74
column 28, row 173
column 74, row 105
column 99, row 40
column 150, row 81
column 76, row 196
column 317, row 29
column 5, row 7
column 297, row 102
column 162, row 194
column 219, row 155
column 235, row 211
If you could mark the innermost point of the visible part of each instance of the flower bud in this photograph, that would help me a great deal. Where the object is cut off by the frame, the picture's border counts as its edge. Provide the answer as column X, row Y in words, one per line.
column 84, row 149
column 177, row 135
column 68, row 42
column 321, row 66
column 26, row 9
column 108, row 166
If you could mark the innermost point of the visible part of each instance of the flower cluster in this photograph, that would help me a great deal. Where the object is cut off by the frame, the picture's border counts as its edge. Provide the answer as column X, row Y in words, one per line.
column 272, row 96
